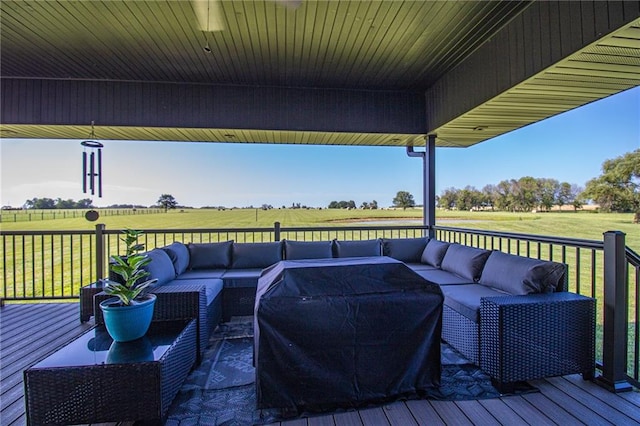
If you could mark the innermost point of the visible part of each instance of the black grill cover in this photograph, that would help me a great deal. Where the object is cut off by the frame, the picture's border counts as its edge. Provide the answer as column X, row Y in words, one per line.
column 344, row 332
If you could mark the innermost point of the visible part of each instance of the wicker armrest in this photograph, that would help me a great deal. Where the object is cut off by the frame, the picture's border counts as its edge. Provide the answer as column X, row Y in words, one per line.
column 535, row 336
column 174, row 301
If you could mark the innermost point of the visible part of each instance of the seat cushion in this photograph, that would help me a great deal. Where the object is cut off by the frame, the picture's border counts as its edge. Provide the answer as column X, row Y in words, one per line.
column 160, row 267
column 419, row 266
column 465, row 261
column 522, row 275
column 199, row 274
column 433, row 252
column 210, row 255
column 236, row 278
column 179, row 255
column 407, row 250
column 297, row 250
column 440, row 277
column 465, row 298
column 255, row 255
column 364, row 248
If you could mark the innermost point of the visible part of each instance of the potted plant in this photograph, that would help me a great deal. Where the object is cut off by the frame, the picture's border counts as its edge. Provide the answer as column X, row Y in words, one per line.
column 128, row 315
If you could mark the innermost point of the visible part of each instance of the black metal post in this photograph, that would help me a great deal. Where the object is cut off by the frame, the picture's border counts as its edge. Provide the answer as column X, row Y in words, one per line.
column 614, row 353
column 276, row 231
column 428, row 183
column 100, row 251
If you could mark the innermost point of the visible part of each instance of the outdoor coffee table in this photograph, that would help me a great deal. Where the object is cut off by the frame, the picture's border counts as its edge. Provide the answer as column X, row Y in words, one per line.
column 94, row 380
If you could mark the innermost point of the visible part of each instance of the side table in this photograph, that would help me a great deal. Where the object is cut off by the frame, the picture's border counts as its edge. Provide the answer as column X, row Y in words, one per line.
column 95, row 380
column 535, row 336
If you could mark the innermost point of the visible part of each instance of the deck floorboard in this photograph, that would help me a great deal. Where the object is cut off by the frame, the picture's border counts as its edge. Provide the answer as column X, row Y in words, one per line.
column 29, row 332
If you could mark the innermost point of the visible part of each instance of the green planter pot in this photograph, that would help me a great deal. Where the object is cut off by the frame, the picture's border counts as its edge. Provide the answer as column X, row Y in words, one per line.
column 127, row 323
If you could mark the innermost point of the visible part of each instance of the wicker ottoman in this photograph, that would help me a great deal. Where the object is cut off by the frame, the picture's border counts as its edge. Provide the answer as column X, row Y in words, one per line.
column 91, row 380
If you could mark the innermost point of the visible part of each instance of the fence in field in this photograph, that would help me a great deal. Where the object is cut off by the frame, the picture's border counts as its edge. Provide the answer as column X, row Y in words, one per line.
column 29, row 215
column 47, row 265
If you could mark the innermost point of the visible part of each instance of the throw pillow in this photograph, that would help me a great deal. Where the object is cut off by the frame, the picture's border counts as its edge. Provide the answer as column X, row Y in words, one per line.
column 210, row 255
column 365, row 248
column 465, row 261
column 407, row 250
column 434, row 252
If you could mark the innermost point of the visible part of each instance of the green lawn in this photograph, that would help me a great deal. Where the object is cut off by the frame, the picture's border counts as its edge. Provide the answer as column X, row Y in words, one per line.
column 585, row 225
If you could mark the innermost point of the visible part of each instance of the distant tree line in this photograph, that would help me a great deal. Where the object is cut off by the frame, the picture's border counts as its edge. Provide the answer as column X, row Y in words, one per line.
column 58, row 203
column 521, row 195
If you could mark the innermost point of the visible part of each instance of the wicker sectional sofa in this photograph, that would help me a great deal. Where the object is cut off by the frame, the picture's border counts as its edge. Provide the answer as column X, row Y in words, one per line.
column 511, row 315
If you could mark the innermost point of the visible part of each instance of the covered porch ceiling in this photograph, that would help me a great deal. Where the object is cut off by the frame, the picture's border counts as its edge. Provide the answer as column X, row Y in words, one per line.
column 472, row 70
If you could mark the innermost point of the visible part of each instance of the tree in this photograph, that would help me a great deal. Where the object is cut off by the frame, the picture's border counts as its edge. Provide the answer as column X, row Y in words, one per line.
column 167, row 201
column 548, row 192
column 403, row 199
column 618, row 188
column 448, row 198
column 564, row 194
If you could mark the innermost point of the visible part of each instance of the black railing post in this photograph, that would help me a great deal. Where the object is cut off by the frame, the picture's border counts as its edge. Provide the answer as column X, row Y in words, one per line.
column 276, row 231
column 614, row 353
column 100, row 251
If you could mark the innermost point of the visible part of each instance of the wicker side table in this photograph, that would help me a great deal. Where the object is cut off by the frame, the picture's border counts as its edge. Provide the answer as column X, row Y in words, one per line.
column 535, row 336
column 93, row 380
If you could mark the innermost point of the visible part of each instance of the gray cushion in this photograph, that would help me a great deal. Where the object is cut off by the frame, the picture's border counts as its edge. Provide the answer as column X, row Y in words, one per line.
column 160, row 267
column 255, row 255
column 210, row 255
column 440, row 277
column 296, row 250
column 522, row 275
column 200, row 274
column 465, row 261
column 465, row 299
column 364, row 248
column 239, row 278
column 179, row 255
column 408, row 250
column 419, row 266
column 434, row 252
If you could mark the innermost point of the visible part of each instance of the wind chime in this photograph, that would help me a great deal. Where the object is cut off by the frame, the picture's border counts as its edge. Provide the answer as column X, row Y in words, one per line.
column 92, row 170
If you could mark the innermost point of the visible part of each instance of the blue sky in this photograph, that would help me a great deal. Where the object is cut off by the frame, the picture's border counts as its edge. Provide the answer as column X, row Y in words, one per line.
column 569, row 147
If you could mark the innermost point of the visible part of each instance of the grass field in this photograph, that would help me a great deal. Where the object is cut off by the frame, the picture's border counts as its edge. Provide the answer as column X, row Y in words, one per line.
column 584, row 225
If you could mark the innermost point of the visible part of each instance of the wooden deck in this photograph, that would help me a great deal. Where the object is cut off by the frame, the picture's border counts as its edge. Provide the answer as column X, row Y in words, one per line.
column 30, row 332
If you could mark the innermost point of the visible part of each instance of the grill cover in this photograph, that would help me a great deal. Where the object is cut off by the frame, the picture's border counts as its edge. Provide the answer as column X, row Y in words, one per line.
column 344, row 332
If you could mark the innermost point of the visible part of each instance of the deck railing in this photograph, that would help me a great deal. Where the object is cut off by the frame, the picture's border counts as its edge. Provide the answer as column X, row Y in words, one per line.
column 47, row 265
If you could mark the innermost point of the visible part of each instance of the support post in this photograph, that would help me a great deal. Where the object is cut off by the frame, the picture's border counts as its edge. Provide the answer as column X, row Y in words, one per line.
column 614, row 354
column 428, row 183
column 276, row 231
column 100, row 227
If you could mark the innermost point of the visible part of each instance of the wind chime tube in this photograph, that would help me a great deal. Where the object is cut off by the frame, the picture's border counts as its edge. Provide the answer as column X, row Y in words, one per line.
column 99, row 173
column 84, row 172
column 92, row 173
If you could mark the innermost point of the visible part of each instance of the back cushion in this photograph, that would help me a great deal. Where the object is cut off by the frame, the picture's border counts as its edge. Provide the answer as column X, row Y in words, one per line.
column 160, row 267
column 434, row 253
column 522, row 275
column 465, row 261
column 364, row 248
column 255, row 255
column 210, row 255
column 179, row 255
column 404, row 249
column 296, row 250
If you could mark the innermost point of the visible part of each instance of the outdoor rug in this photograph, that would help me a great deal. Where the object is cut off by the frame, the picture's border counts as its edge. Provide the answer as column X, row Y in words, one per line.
column 221, row 390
